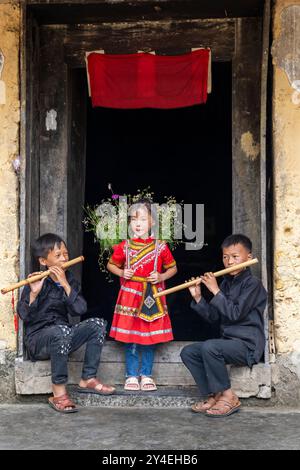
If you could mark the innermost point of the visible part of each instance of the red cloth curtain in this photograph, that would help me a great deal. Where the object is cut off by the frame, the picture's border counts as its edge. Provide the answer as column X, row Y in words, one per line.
column 148, row 81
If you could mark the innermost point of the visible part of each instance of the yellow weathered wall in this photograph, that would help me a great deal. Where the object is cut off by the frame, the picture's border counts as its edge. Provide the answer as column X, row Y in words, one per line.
column 286, row 141
column 9, row 149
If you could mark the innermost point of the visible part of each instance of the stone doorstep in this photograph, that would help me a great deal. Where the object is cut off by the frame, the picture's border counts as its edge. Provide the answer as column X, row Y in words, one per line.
column 164, row 397
column 169, row 372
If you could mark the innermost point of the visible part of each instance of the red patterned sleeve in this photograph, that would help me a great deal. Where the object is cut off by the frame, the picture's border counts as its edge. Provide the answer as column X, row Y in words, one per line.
column 167, row 257
column 118, row 257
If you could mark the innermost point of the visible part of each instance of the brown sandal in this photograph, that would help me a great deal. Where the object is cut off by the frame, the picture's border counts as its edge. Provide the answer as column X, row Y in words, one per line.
column 200, row 407
column 91, row 388
column 61, row 403
column 224, row 408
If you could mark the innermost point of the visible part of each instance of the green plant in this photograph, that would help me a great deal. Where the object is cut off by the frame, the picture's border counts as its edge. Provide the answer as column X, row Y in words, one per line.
column 109, row 221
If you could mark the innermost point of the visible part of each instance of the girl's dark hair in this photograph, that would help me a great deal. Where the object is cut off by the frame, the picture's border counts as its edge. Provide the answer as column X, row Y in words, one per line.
column 146, row 203
column 236, row 238
column 45, row 243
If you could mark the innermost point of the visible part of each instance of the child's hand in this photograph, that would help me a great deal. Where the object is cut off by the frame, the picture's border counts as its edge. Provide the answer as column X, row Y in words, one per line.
column 36, row 287
column 59, row 273
column 210, row 282
column 128, row 273
column 155, row 277
column 196, row 291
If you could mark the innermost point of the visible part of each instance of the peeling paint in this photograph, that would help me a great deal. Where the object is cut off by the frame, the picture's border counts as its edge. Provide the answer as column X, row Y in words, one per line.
column 2, row 83
column 51, row 123
column 296, row 94
column 249, row 146
column 286, row 48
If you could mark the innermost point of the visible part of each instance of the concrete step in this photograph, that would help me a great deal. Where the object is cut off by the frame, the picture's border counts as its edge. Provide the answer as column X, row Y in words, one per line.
column 164, row 397
column 168, row 370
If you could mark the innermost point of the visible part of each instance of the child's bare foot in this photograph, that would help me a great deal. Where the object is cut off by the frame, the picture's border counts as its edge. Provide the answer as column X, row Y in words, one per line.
column 203, row 406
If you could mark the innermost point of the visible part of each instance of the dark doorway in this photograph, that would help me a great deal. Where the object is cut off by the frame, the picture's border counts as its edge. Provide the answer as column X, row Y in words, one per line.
column 183, row 152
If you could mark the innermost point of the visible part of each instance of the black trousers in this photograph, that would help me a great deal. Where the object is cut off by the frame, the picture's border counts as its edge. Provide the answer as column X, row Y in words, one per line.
column 58, row 341
column 207, row 361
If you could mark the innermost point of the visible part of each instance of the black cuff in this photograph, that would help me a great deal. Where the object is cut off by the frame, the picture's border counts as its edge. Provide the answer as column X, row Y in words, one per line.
column 195, row 305
column 215, row 300
column 33, row 305
column 70, row 299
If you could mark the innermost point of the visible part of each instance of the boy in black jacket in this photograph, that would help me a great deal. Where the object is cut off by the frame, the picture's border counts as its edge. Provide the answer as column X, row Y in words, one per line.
column 238, row 305
column 44, row 307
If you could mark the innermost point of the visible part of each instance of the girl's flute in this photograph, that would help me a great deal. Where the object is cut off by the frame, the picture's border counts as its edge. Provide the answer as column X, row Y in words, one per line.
column 216, row 274
column 37, row 277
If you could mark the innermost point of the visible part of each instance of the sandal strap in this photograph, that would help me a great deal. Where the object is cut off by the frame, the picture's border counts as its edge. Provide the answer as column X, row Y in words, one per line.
column 227, row 403
column 93, row 383
column 200, row 404
column 131, row 380
column 147, row 381
column 64, row 400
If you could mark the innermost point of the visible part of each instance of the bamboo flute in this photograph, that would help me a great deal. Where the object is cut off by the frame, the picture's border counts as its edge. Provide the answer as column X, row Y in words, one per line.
column 185, row 285
column 37, row 277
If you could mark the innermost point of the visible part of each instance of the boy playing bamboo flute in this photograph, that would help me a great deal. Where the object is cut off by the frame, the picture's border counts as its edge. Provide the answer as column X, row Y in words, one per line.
column 238, row 305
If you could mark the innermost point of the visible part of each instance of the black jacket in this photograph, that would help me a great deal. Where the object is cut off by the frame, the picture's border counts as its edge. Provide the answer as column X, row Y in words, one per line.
column 239, row 308
column 51, row 307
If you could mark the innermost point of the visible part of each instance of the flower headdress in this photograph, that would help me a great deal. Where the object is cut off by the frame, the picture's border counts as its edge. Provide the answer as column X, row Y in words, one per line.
column 109, row 221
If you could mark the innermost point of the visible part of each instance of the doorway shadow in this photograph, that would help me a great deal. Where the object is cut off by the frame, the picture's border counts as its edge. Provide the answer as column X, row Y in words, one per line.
column 183, row 152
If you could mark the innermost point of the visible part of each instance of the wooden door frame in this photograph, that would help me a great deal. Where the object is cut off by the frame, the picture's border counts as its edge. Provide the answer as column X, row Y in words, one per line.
column 243, row 65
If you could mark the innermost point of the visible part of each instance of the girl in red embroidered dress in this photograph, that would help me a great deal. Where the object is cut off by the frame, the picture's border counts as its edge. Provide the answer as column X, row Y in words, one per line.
column 141, row 321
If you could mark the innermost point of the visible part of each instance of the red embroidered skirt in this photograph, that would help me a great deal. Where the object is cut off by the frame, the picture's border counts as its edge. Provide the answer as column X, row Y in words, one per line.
column 131, row 324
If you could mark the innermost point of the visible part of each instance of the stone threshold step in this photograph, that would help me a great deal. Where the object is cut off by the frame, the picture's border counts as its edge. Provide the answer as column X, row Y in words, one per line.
column 164, row 397
column 34, row 378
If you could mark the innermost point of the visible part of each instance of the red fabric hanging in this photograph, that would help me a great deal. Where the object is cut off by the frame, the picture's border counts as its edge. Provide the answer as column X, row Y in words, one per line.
column 148, row 81
column 16, row 318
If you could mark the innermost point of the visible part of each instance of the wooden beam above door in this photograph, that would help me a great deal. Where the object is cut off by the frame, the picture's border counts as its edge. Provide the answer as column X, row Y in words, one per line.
column 87, row 11
column 130, row 37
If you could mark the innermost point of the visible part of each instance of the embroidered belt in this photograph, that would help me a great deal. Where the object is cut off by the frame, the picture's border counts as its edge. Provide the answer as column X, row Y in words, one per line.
column 151, row 308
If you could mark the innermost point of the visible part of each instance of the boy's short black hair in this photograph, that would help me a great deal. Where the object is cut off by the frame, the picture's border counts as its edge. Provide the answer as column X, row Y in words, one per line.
column 236, row 238
column 45, row 243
